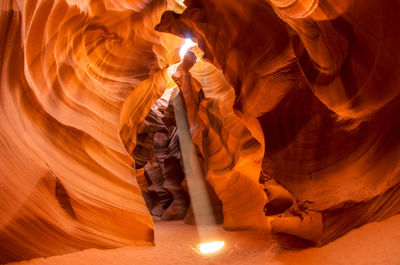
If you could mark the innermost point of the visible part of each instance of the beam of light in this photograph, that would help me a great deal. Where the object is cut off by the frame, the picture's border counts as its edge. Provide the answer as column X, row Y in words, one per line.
column 200, row 201
column 211, row 247
column 186, row 46
column 199, row 198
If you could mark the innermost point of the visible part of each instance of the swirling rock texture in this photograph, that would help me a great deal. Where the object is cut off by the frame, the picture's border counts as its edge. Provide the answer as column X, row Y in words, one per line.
column 230, row 153
column 152, row 124
column 292, row 106
column 322, row 78
column 69, row 72
column 157, row 149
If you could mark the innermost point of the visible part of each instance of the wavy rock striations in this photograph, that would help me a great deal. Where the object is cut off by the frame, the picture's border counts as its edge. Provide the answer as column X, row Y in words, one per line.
column 67, row 181
column 292, row 106
column 158, row 150
column 229, row 144
column 322, row 79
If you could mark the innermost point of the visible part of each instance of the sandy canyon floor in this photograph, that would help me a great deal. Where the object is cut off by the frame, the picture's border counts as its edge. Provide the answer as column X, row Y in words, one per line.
column 375, row 243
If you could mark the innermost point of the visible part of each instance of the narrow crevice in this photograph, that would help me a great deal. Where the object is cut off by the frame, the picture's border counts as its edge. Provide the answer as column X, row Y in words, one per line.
column 64, row 199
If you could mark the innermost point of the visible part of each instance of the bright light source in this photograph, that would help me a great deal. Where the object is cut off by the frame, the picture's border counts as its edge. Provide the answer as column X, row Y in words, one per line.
column 181, row 2
column 185, row 47
column 211, row 247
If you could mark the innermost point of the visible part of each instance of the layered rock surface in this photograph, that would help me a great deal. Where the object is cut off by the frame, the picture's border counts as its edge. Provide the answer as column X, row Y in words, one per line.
column 67, row 181
column 230, row 153
column 302, row 95
column 321, row 79
column 157, row 150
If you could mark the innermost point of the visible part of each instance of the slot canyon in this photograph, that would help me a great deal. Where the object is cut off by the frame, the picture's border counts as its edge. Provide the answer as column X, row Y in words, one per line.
column 149, row 131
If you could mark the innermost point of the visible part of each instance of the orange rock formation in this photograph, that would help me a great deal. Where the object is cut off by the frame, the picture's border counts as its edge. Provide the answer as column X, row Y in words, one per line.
column 292, row 106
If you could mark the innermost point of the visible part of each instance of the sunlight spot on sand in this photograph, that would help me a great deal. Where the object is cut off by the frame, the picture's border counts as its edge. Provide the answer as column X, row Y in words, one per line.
column 211, row 247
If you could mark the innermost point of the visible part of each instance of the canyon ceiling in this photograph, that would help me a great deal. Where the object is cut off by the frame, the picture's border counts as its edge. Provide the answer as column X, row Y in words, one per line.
column 293, row 107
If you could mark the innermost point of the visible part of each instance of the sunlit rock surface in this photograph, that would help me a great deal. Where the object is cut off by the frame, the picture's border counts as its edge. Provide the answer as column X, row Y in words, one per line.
column 292, row 105
column 322, row 78
column 231, row 154
column 67, row 181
